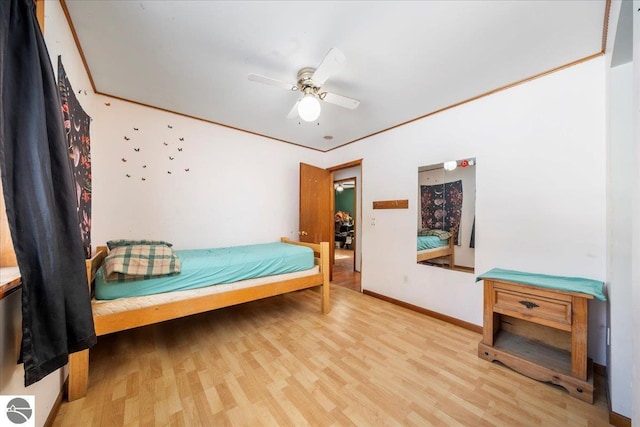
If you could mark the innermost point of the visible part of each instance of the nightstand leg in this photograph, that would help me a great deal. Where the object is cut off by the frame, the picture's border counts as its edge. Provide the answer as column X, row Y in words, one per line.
column 579, row 320
column 491, row 319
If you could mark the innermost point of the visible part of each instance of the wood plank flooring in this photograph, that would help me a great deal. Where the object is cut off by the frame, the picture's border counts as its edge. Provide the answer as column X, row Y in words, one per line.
column 343, row 272
column 280, row 362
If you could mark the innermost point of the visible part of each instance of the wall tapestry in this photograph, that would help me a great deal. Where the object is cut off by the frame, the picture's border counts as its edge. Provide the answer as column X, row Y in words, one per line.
column 76, row 126
column 441, row 206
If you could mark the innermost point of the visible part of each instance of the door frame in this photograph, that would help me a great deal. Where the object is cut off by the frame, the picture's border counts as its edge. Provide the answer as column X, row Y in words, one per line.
column 358, row 214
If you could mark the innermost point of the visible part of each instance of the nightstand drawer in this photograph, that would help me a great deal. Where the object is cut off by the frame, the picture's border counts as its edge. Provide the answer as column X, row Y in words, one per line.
column 534, row 308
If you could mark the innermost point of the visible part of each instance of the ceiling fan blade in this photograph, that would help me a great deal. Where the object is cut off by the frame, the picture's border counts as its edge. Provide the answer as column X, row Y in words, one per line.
column 328, row 66
column 294, row 111
column 273, row 82
column 340, row 100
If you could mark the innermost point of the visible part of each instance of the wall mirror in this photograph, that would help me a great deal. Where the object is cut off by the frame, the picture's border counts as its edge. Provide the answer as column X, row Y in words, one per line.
column 446, row 215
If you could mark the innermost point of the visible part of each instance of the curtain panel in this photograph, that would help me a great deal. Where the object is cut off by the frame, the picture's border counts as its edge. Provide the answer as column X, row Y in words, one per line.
column 40, row 198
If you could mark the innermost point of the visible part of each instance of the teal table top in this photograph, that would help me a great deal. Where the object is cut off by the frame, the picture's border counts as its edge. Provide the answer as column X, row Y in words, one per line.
column 569, row 284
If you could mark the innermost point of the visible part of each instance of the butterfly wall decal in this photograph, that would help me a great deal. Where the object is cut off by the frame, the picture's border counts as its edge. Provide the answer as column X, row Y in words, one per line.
column 170, row 127
column 136, row 149
column 179, row 148
column 126, row 138
column 124, row 160
column 136, row 129
column 181, row 139
column 171, row 158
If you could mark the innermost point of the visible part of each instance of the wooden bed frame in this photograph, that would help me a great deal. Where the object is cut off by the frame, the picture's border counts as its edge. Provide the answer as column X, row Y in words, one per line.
column 448, row 251
column 115, row 322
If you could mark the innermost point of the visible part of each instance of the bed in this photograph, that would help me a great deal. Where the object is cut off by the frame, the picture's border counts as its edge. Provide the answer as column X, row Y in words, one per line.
column 122, row 313
column 432, row 246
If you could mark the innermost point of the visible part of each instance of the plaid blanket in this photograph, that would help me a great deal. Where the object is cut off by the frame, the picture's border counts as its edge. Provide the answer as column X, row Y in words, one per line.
column 443, row 235
column 138, row 262
column 111, row 244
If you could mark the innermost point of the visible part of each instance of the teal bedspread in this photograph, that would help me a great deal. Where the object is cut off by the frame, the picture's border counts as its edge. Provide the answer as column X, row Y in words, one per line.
column 431, row 242
column 570, row 284
column 206, row 267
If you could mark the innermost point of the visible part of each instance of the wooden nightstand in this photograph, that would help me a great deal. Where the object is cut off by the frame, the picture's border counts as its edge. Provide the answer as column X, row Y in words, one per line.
column 539, row 332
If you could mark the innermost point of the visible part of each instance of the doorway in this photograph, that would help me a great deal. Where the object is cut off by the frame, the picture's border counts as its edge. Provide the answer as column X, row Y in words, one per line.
column 347, row 225
column 344, row 193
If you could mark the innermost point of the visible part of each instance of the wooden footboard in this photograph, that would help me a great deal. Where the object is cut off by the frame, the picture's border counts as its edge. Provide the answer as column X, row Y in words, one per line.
column 105, row 324
column 448, row 251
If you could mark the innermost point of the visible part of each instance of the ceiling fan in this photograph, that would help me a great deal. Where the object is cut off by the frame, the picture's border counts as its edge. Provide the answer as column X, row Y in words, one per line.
column 309, row 83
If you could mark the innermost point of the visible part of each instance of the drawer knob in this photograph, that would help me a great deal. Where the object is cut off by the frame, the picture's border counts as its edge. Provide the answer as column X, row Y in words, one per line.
column 529, row 304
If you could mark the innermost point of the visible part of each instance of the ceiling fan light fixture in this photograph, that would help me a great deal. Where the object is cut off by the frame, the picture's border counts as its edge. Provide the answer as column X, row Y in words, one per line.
column 309, row 108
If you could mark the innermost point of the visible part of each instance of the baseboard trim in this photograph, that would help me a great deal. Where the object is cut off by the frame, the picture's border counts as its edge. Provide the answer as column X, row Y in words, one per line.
column 56, row 407
column 619, row 420
column 434, row 314
column 615, row 419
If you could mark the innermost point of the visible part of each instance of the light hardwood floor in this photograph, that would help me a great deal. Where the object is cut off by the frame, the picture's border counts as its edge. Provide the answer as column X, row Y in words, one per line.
column 343, row 272
column 279, row 361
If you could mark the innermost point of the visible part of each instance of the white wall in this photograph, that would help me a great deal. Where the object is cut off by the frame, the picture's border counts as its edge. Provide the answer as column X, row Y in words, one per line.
column 540, row 191
column 239, row 188
column 620, row 187
column 636, row 218
column 45, row 391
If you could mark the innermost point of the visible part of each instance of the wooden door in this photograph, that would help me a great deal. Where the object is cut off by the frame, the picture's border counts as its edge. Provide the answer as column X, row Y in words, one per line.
column 316, row 207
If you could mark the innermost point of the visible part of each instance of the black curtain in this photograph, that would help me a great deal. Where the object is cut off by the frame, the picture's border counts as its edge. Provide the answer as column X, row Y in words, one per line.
column 40, row 198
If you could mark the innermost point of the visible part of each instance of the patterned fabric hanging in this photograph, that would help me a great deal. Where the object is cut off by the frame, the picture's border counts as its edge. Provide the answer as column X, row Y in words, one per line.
column 441, row 206
column 76, row 126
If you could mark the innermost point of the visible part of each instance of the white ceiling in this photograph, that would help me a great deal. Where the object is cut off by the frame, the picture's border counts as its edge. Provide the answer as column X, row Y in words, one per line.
column 404, row 60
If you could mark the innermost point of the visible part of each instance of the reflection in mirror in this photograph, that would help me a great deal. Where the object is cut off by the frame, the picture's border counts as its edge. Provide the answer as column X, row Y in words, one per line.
column 446, row 215
column 345, row 205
